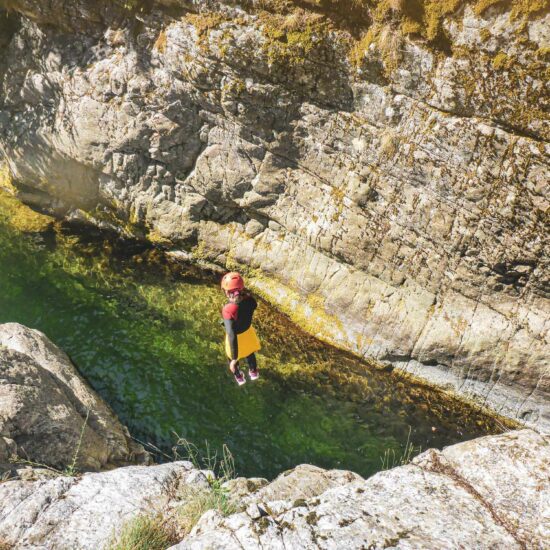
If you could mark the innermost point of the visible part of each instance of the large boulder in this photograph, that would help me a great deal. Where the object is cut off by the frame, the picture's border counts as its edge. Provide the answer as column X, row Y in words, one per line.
column 492, row 492
column 49, row 414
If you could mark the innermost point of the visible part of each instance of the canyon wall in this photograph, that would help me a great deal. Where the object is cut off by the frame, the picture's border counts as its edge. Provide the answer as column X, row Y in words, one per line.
column 380, row 172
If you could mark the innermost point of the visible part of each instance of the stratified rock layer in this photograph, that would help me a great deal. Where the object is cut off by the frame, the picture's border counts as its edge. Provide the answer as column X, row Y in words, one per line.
column 390, row 195
column 46, row 407
column 492, row 492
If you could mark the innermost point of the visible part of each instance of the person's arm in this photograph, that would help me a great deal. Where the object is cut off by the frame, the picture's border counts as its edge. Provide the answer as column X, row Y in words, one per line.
column 253, row 300
column 229, row 314
column 232, row 335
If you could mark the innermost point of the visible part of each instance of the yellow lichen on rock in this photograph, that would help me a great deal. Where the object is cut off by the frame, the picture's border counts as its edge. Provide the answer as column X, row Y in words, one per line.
column 388, row 42
column 502, row 61
column 204, row 24
column 483, row 5
column 289, row 39
column 5, row 179
column 161, row 41
column 435, row 12
column 523, row 9
column 360, row 48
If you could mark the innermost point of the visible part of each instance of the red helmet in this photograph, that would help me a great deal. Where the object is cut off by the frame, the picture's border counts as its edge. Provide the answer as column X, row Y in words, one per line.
column 232, row 281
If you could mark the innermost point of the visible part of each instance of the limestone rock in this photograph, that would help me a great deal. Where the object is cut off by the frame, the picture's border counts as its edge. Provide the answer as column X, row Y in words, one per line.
column 44, row 403
column 492, row 492
column 68, row 513
column 302, row 482
column 397, row 191
column 241, row 487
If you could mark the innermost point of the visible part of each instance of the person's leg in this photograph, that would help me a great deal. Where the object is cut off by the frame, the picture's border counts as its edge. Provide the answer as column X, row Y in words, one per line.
column 236, row 370
column 239, row 375
column 252, row 366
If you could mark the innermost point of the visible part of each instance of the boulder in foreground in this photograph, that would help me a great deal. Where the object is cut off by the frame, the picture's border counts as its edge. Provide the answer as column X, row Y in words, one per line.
column 46, row 406
column 486, row 493
column 492, row 492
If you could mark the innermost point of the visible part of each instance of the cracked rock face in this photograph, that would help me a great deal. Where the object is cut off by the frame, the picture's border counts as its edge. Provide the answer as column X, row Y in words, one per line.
column 492, row 492
column 44, row 403
column 399, row 193
column 69, row 513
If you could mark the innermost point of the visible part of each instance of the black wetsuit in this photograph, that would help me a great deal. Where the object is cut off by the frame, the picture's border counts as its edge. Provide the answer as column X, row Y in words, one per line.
column 237, row 318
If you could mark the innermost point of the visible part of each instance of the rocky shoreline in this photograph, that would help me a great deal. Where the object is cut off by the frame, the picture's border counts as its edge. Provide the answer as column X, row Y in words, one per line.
column 385, row 184
column 491, row 492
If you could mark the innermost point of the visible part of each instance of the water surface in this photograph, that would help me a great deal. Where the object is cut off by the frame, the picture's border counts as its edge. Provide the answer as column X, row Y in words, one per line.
column 146, row 335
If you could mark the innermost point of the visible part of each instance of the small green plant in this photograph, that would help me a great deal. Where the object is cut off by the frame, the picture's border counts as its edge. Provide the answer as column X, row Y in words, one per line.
column 390, row 459
column 223, row 469
column 6, row 476
column 200, row 500
column 145, row 532
column 71, row 469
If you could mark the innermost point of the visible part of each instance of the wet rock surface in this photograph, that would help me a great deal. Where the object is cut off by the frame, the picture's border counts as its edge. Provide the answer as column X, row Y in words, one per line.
column 491, row 492
column 50, row 415
column 389, row 195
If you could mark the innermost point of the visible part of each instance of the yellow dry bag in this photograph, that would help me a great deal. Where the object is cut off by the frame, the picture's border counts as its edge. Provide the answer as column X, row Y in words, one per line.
column 247, row 342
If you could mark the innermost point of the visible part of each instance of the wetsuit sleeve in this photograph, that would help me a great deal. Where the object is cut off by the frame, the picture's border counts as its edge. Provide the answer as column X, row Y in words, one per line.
column 231, row 334
column 229, row 314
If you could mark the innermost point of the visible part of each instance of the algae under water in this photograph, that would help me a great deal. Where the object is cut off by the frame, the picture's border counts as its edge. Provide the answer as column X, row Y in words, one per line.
column 146, row 334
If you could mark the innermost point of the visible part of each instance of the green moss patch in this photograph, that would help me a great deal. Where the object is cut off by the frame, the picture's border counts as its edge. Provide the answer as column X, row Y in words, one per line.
column 21, row 217
column 290, row 39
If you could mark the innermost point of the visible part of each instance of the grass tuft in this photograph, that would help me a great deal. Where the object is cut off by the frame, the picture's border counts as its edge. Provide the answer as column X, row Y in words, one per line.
column 215, row 497
column 168, row 526
column 199, row 501
column 145, row 533
column 223, row 468
column 71, row 469
column 390, row 459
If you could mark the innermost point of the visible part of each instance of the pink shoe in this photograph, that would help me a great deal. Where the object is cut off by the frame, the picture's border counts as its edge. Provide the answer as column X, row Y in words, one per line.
column 240, row 379
column 254, row 374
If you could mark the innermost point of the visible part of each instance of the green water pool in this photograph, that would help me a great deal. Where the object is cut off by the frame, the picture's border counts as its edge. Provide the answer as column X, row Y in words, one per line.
column 146, row 335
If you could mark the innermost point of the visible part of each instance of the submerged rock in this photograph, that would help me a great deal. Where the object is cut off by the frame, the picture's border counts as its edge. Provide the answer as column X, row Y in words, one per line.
column 492, row 492
column 389, row 192
column 49, row 414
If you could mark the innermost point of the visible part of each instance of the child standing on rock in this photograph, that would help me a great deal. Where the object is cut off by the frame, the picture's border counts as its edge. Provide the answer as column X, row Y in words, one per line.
column 241, row 341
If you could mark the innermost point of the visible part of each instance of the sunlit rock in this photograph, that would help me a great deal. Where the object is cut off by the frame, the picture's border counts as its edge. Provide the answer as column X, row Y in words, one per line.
column 49, row 416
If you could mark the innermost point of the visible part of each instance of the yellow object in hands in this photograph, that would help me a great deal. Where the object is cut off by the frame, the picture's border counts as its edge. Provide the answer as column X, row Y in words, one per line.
column 247, row 342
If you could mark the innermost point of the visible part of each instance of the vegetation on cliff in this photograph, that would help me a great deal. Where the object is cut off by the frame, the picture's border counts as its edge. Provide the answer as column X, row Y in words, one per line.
column 421, row 18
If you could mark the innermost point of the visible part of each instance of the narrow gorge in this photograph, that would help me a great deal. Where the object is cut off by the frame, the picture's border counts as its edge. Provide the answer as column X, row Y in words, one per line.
column 378, row 171
column 383, row 170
